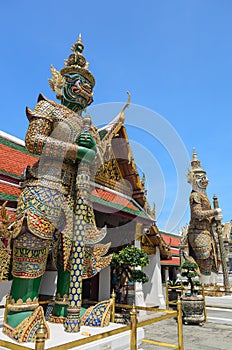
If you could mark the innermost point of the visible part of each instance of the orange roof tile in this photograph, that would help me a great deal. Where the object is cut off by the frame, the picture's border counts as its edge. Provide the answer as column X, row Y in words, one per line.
column 14, row 161
column 4, row 188
column 175, row 260
column 112, row 197
column 175, row 251
column 175, row 241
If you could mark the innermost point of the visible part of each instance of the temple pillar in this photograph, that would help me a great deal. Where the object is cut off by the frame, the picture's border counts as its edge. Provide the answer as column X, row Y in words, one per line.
column 139, row 294
column 166, row 273
column 153, row 288
column 104, row 283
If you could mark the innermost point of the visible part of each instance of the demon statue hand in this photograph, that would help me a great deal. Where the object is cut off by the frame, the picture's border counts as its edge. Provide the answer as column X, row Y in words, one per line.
column 202, row 242
column 54, row 206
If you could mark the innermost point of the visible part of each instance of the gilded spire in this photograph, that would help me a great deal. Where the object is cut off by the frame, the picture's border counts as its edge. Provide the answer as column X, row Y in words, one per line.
column 78, row 46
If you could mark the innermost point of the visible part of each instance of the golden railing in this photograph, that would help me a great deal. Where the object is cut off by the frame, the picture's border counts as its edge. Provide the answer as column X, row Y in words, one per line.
column 134, row 324
column 178, row 289
column 40, row 338
column 167, row 314
column 217, row 291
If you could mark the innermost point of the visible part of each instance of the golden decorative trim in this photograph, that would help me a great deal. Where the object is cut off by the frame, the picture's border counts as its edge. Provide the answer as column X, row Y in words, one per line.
column 24, row 307
column 57, row 82
column 5, row 256
column 113, row 184
column 149, row 250
column 62, row 300
column 57, row 319
column 103, row 261
column 26, row 330
column 20, row 305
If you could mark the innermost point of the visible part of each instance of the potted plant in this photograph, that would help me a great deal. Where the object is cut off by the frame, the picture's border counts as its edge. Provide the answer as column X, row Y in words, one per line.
column 192, row 302
column 127, row 264
column 188, row 270
column 173, row 290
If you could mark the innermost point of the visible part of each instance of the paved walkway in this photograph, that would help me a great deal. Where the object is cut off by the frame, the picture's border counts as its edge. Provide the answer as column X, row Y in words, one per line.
column 210, row 336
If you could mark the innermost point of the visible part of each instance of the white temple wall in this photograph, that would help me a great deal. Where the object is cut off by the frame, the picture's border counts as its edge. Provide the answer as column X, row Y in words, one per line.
column 153, row 293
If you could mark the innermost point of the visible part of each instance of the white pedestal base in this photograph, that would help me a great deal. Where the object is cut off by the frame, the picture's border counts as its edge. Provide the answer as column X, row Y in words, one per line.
column 58, row 336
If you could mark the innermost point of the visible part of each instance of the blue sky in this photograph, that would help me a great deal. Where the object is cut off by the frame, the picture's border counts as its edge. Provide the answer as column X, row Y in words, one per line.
column 174, row 56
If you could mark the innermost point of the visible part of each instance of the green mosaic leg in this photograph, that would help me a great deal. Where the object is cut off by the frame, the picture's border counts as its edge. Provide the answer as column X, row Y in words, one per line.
column 62, row 300
column 29, row 261
column 25, row 289
column 72, row 323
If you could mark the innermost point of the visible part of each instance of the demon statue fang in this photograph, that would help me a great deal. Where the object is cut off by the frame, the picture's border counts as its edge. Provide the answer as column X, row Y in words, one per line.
column 202, row 242
column 54, row 211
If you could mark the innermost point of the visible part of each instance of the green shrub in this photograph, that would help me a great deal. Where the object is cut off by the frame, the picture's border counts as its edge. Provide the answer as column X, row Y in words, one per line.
column 126, row 261
column 188, row 270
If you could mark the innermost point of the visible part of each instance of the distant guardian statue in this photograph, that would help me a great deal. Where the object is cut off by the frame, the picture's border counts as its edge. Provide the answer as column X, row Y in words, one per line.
column 202, row 242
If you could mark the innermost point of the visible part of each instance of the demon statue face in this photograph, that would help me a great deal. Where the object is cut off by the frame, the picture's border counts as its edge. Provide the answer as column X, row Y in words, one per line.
column 74, row 83
column 77, row 90
column 198, row 180
column 197, row 176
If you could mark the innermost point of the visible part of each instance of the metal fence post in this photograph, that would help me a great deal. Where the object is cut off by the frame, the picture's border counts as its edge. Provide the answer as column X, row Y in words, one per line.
column 40, row 337
column 133, row 331
column 180, row 325
column 113, row 297
column 167, row 296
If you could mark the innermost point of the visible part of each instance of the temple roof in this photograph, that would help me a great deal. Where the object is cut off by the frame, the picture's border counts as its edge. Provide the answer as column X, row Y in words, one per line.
column 173, row 240
column 115, row 144
column 152, row 239
column 174, row 261
column 116, row 203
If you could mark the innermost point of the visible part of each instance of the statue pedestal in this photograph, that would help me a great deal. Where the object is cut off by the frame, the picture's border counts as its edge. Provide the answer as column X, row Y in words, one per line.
column 59, row 337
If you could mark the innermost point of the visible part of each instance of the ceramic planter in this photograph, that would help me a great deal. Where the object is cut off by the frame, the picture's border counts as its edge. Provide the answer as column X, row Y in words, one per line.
column 193, row 309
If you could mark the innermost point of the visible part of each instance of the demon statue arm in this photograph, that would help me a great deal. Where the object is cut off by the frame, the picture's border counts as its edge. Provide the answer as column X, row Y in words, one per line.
column 52, row 138
column 196, row 208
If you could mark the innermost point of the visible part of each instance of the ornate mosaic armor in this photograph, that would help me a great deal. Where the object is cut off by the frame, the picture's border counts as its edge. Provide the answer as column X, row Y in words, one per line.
column 46, row 203
column 201, row 239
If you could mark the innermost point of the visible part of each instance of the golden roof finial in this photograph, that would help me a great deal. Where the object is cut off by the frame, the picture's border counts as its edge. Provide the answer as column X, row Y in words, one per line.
column 121, row 115
column 143, row 180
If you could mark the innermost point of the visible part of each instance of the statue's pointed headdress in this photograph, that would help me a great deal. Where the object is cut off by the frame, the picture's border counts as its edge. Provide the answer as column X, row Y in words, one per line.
column 195, row 163
column 196, row 167
column 74, row 64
